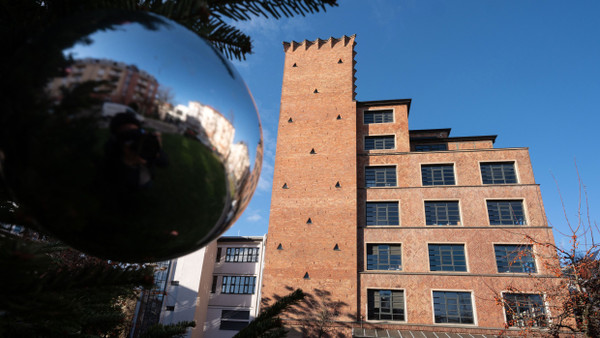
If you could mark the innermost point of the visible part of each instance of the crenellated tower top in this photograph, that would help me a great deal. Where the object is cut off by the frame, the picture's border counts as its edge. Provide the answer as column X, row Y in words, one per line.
column 342, row 47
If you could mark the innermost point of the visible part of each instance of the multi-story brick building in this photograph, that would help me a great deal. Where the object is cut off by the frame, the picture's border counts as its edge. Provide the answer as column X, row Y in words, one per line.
column 126, row 84
column 403, row 229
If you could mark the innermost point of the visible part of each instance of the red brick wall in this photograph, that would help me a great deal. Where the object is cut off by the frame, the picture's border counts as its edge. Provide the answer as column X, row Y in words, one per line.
column 311, row 178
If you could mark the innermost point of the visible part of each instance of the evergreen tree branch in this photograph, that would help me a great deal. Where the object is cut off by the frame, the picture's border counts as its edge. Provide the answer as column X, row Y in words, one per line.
column 268, row 318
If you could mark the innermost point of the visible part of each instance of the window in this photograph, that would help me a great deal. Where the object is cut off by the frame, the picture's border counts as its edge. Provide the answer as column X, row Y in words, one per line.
column 241, row 255
column 382, row 213
column 431, row 147
column 441, row 213
column 498, row 173
column 238, row 284
column 384, row 257
column 515, row 258
column 378, row 116
column 447, row 257
column 524, row 310
column 438, row 174
column 234, row 320
column 380, row 176
column 170, row 308
column 218, row 255
column 506, row 212
column 379, row 142
column 213, row 287
column 453, row 307
column 385, row 304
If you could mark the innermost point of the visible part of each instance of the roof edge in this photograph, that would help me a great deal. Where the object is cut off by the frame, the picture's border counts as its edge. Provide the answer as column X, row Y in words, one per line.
column 378, row 103
column 461, row 138
column 240, row 239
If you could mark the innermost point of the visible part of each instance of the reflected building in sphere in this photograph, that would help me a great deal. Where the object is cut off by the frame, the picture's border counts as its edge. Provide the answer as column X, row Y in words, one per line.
column 398, row 231
column 127, row 84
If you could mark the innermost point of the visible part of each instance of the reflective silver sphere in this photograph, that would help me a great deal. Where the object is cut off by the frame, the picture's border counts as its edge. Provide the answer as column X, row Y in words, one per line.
column 151, row 146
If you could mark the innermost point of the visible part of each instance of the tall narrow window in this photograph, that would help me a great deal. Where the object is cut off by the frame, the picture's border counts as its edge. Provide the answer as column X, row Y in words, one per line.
column 213, row 287
column 383, row 213
column 438, row 174
column 385, row 305
column 515, row 258
column 447, row 257
column 380, row 176
column 498, row 173
column 441, row 213
column 218, row 255
column 384, row 257
column 525, row 310
column 506, row 212
column 453, row 307
column 378, row 116
column 379, row 142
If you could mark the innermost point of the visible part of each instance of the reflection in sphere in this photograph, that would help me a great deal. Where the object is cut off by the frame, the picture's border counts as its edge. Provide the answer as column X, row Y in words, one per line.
column 152, row 145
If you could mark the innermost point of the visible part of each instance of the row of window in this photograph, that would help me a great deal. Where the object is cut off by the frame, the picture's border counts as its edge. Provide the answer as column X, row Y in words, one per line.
column 500, row 212
column 451, row 257
column 442, row 174
column 456, row 307
column 245, row 285
column 239, row 255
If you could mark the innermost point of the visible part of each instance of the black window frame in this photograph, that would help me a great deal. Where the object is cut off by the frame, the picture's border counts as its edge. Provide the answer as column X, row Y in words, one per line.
column 380, row 142
column 382, row 213
column 425, row 147
column 213, row 287
column 384, row 257
column 380, row 176
column 532, row 313
column 388, row 305
column 515, row 258
column 450, row 307
column 437, row 174
column 234, row 320
column 241, row 255
column 378, row 116
column 498, row 173
column 442, row 213
column 506, row 212
column 238, row 285
column 447, row 257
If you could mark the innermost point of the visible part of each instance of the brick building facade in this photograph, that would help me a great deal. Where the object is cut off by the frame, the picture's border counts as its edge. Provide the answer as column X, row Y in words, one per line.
column 401, row 229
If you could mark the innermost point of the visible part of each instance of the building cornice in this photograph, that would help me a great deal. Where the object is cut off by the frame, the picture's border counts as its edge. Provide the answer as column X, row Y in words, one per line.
column 379, row 103
column 239, row 239
column 372, row 153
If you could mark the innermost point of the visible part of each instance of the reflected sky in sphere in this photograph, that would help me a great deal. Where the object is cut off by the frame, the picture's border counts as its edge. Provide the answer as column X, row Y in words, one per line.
column 174, row 56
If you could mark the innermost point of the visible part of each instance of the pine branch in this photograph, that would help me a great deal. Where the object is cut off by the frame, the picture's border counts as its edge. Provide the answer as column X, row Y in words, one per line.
column 268, row 319
column 242, row 10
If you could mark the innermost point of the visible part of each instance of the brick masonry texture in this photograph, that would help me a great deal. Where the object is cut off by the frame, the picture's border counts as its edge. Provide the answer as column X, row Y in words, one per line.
column 338, row 214
column 311, row 178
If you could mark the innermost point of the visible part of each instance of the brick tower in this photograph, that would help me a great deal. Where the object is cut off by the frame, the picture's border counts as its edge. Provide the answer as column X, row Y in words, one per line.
column 312, row 230
column 410, row 230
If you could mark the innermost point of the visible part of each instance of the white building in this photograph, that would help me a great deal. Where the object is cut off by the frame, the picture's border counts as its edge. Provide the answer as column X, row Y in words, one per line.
column 217, row 286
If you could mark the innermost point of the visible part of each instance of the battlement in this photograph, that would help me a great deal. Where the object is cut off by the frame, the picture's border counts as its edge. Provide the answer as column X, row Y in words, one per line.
column 318, row 43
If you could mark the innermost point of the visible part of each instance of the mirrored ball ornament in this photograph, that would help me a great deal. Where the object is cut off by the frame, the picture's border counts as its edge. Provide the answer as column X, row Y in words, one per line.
column 151, row 146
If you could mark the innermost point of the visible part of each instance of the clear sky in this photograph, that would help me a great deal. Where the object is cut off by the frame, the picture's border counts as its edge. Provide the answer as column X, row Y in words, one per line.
column 527, row 71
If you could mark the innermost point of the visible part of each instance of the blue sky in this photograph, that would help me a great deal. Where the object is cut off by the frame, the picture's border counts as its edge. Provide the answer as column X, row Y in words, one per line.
column 527, row 71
